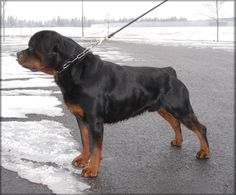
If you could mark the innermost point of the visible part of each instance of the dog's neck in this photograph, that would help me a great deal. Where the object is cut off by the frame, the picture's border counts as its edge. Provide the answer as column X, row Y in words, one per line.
column 78, row 72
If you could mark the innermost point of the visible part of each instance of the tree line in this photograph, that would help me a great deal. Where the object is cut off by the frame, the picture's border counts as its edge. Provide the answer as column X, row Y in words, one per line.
column 11, row 21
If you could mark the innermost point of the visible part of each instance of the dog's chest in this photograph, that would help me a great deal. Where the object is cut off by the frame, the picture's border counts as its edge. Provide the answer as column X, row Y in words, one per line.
column 64, row 83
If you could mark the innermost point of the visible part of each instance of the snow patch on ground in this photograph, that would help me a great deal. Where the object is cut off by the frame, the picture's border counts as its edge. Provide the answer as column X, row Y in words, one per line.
column 42, row 152
column 201, row 37
column 15, row 76
column 114, row 55
column 20, row 106
column 27, row 92
column 33, row 82
column 193, row 36
column 12, row 70
column 227, row 45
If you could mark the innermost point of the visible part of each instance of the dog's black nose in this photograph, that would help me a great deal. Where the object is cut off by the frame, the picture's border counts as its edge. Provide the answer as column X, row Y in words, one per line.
column 18, row 54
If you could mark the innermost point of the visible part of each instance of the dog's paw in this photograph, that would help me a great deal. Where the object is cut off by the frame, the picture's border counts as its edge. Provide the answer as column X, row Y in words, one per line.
column 89, row 171
column 80, row 161
column 176, row 143
column 203, row 154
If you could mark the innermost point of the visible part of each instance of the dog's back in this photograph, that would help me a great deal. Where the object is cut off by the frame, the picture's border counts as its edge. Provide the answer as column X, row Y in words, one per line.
column 171, row 71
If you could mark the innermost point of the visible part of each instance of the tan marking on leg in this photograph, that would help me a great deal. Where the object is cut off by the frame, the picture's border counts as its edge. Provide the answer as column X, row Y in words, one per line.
column 92, row 168
column 83, row 158
column 204, row 151
column 75, row 109
column 175, row 124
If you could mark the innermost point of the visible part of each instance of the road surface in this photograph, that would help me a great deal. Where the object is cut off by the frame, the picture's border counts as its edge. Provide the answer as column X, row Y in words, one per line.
column 138, row 157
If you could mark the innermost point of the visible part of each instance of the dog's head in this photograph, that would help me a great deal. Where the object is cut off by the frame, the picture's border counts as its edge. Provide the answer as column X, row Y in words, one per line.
column 47, row 51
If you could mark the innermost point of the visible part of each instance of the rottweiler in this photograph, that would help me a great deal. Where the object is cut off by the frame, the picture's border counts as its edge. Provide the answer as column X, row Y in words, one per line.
column 99, row 92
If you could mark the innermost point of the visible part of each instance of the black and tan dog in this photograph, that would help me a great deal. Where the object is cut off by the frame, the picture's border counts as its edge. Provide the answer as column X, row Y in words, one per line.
column 99, row 92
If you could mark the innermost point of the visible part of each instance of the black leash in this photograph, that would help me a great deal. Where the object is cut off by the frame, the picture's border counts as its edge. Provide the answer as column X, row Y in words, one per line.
column 112, row 34
column 88, row 49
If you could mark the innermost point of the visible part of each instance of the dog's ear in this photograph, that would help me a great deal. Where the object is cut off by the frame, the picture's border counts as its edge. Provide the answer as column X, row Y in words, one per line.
column 55, row 56
column 57, row 46
column 63, row 49
column 57, row 50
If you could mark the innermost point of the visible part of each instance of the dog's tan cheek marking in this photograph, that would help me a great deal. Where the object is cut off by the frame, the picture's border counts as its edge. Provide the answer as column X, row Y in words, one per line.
column 31, row 62
column 38, row 65
column 50, row 71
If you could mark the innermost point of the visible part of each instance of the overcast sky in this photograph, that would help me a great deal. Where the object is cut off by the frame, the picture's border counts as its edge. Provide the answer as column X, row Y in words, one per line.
column 42, row 10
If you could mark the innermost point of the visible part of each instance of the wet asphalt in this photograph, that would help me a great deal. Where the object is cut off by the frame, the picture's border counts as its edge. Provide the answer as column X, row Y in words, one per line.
column 138, row 157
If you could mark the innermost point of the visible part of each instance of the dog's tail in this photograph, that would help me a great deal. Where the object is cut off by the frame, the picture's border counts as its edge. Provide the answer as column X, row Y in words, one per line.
column 171, row 71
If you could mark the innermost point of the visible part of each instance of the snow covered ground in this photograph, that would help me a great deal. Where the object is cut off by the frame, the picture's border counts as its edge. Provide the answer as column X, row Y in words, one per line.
column 40, row 151
column 174, row 36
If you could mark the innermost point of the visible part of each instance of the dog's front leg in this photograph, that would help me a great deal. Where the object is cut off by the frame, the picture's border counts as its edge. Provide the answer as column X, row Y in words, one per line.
column 83, row 158
column 95, row 134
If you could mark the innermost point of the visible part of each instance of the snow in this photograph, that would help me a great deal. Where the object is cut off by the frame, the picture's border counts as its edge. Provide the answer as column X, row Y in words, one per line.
column 196, row 36
column 42, row 153
column 113, row 55
column 12, row 70
column 19, row 106
column 34, row 82
column 181, row 36
column 36, row 92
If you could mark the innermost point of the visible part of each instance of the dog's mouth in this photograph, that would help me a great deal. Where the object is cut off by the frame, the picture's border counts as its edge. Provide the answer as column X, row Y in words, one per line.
column 29, row 68
column 33, row 64
column 20, row 61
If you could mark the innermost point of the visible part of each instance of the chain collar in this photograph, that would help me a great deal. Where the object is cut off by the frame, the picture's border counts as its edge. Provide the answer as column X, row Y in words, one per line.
column 70, row 62
column 81, row 55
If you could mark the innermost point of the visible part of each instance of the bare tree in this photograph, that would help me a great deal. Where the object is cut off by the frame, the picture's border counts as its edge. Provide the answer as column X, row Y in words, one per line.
column 214, row 9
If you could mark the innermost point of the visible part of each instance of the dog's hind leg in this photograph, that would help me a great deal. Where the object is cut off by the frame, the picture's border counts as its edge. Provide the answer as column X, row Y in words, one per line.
column 175, row 124
column 176, row 102
column 200, row 130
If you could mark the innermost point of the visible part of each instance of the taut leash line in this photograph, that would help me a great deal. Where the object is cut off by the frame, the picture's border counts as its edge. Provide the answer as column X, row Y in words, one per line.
column 112, row 34
column 99, row 42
